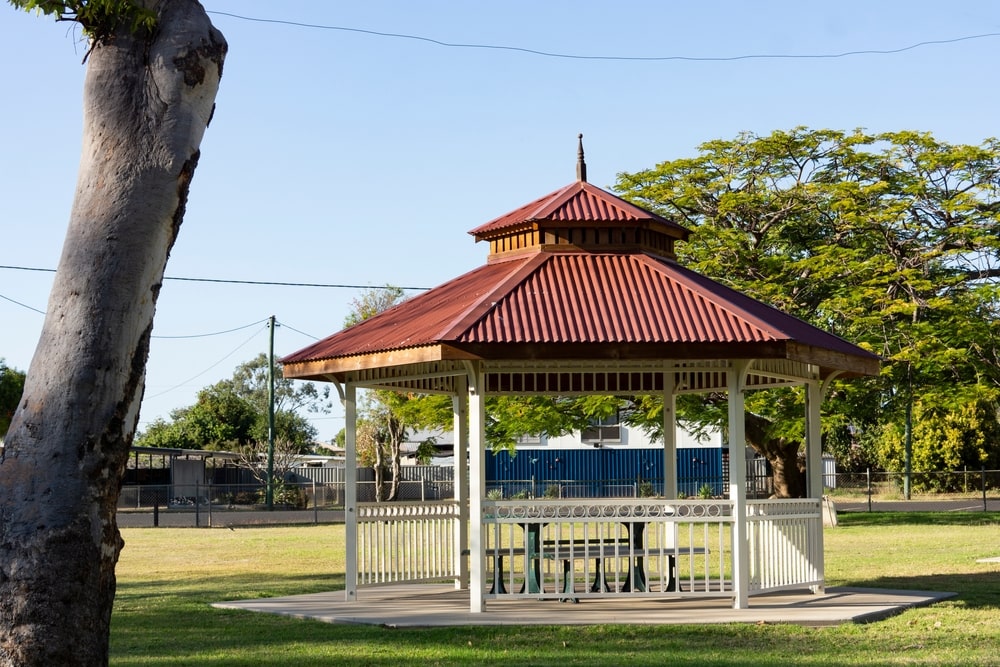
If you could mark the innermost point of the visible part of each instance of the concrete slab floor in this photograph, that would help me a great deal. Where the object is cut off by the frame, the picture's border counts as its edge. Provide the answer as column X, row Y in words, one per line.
column 429, row 605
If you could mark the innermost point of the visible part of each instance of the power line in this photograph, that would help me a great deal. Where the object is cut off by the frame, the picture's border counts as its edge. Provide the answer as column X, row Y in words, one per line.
column 194, row 377
column 205, row 335
column 272, row 283
column 215, row 333
column 282, row 324
column 285, row 284
column 23, row 305
column 577, row 56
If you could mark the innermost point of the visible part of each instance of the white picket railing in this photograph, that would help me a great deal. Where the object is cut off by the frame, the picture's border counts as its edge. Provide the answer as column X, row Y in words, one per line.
column 785, row 543
column 406, row 541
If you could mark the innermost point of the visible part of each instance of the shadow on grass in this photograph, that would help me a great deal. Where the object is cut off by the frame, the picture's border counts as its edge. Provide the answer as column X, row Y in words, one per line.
column 852, row 519
column 979, row 590
column 230, row 587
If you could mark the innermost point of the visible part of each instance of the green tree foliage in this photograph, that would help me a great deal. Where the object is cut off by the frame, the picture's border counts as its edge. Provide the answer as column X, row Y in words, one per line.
column 11, row 386
column 510, row 417
column 99, row 19
column 233, row 413
column 888, row 240
column 949, row 433
column 373, row 301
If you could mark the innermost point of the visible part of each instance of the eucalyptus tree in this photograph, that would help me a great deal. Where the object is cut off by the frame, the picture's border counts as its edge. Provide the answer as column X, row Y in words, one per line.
column 889, row 240
column 153, row 70
column 387, row 417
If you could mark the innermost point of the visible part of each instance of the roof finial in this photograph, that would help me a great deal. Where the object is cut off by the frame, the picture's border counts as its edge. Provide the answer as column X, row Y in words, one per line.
column 581, row 166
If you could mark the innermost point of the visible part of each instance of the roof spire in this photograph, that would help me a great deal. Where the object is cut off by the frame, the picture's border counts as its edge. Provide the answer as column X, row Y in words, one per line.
column 581, row 166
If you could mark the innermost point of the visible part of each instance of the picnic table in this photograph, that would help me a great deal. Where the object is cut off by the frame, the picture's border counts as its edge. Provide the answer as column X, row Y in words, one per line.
column 630, row 547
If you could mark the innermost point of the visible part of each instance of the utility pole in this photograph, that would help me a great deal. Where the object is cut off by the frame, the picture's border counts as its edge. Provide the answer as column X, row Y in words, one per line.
column 270, row 417
column 908, row 435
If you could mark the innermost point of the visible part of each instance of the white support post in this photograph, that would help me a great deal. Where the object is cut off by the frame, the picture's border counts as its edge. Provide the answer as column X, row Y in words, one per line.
column 460, row 407
column 669, row 436
column 351, row 492
column 670, row 446
column 814, row 468
column 477, row 476
column 814, row 443
column 738, row 483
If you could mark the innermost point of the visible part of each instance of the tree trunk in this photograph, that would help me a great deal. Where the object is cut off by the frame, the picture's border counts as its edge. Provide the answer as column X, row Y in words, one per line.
column 147, row 102
column 783, row 455
column 397, row 431
column 379, row 469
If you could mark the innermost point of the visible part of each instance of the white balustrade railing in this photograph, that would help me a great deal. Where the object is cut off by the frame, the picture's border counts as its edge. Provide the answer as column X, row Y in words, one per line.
column 785, row 544
column 406, row 541
column 572, row 549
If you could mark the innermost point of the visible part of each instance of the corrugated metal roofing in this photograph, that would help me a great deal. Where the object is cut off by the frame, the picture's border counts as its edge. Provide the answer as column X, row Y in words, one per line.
column 577, row 202
column 574, row 298
column 597, row 469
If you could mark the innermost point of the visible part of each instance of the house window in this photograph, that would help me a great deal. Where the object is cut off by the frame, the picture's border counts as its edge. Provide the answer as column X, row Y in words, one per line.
column 607, row 429
column 529, row 440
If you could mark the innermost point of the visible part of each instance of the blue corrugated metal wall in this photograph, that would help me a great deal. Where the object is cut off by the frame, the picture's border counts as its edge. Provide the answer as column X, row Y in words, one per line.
column 602, row 467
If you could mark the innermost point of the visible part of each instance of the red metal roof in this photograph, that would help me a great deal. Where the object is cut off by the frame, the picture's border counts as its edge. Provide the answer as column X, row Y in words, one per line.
column 577, row 202
column 575, row 298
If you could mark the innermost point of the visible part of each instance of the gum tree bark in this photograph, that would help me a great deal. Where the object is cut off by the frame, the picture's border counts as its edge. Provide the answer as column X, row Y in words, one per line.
column 148, row 98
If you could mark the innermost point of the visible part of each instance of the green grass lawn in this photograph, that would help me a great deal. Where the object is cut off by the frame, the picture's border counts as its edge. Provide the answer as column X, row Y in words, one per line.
column 168, row 577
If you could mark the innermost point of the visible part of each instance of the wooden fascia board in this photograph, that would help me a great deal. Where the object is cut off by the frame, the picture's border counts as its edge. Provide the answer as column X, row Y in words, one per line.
column 321, row 369
column 828, row 360
column 832, row 360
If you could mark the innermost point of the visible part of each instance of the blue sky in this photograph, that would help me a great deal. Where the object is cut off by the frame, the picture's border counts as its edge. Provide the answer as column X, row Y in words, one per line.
column 348, row 158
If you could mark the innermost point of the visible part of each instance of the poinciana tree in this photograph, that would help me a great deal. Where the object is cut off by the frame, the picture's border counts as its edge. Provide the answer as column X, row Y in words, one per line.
column 889, row 240
column 153, row 70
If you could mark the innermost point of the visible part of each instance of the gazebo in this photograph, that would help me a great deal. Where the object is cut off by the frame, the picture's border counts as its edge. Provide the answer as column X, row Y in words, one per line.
column 581, row 293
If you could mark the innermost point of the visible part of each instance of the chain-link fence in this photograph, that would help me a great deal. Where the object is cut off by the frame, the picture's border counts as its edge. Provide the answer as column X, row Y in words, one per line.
column 206, row 505
column 197, row 505
column 966, row 489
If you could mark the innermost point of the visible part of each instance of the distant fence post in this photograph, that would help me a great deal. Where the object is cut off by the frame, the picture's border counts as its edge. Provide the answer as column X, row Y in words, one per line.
column 156, row 511
column 209, row 504
column 868, row 476
column 983, row 484
column 315, row 504
column 197, row 505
